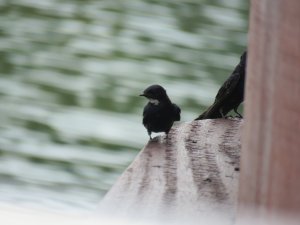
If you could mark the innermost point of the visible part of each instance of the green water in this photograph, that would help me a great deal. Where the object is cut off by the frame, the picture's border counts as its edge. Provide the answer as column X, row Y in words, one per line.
column 70, row 75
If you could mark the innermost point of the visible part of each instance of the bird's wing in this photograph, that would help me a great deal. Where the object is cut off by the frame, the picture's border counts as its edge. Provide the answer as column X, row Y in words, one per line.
column 224, row 92
column 231, row 83
column 176, row 111
column 228, row 86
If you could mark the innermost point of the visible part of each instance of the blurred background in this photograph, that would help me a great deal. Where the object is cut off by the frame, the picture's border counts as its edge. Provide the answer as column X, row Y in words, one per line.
column 70, row 75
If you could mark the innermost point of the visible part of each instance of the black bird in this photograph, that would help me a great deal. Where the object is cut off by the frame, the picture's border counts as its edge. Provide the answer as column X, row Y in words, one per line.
column 230, row 95
column 160, row 113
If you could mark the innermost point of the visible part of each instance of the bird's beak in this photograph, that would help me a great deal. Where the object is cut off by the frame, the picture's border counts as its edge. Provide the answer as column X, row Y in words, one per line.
column 142, row 95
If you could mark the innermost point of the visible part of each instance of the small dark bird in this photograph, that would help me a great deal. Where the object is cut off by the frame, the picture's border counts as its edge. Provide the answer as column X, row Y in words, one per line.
column 230, row 95
column 160, row 113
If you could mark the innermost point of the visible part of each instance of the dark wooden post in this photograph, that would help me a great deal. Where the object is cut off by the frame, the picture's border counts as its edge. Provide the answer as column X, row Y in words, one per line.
column 270, row 163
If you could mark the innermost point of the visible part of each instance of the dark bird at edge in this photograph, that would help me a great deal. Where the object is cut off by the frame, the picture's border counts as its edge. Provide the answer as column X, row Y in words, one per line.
column 230, row 95
column 160, row 113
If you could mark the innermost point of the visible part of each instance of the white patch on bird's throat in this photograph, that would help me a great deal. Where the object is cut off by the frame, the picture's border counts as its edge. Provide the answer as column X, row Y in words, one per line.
column 153, row 101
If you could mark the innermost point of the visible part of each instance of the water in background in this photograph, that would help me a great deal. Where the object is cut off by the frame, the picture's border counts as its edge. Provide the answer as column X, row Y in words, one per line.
column 70, row 75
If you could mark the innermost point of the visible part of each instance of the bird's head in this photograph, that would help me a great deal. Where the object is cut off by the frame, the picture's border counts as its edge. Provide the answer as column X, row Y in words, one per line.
column 155, row 93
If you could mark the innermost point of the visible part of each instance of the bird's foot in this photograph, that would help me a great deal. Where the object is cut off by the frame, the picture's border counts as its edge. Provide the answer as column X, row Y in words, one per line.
column 154, row 139
column 149, row 133
column 230, row 117
column 239, row 116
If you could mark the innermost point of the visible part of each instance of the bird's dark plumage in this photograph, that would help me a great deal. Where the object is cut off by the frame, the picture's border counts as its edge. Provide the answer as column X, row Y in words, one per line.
column 230, row 95
column 160, row 113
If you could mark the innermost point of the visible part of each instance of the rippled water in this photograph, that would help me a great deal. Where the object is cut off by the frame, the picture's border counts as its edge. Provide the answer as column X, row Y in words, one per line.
column 70, row 75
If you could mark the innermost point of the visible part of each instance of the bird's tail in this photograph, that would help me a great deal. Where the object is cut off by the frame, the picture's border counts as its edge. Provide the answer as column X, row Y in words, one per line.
column 212, row 112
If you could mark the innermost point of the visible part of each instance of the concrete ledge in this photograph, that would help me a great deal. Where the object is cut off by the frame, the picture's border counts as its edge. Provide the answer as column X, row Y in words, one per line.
column 193, row 172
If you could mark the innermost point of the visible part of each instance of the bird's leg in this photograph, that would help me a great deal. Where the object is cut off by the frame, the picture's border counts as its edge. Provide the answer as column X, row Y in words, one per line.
column 149, row 133
column 239, row 115
column 221, row 111
column 167, row 132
